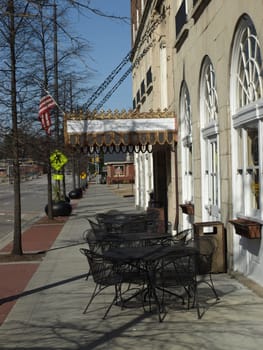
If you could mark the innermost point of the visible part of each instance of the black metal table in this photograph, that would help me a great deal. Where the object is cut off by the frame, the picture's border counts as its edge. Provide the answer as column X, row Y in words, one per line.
column 130, row 239
column 148, row 258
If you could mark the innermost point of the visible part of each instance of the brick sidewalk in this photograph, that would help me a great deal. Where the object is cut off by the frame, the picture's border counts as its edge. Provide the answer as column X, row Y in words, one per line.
column 16, row 272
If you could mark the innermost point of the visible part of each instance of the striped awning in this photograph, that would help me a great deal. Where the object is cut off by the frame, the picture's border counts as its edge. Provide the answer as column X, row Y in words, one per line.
column 120, row 131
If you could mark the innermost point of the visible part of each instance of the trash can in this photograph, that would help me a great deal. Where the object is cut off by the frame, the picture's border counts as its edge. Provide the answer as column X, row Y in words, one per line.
column 215, row 230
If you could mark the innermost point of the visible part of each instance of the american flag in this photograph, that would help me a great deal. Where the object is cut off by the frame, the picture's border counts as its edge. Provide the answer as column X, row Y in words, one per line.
column 46, row 104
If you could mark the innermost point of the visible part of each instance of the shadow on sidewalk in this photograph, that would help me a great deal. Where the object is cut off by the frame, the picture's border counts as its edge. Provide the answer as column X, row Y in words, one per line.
column 39, row 289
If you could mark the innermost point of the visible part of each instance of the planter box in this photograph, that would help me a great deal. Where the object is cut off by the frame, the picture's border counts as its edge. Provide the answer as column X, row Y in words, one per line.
column 187, row 209
column 247, row 228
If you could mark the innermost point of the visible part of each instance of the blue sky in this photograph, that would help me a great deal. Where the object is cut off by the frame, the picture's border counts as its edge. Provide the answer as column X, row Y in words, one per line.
column 111, row 41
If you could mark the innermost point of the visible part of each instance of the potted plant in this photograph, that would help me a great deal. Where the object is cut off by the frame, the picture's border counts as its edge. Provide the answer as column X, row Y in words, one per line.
column 76, row 193
column 247, row 228
column 187, row 208
column 60, row 204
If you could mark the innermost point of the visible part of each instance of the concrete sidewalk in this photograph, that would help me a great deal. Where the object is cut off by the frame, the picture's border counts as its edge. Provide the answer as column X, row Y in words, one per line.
column 48, row 314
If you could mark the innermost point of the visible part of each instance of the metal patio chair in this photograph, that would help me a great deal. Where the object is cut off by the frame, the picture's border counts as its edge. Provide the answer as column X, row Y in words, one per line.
column 177, row 277
column 180, row 238
column 206, row 247
column 104, row 276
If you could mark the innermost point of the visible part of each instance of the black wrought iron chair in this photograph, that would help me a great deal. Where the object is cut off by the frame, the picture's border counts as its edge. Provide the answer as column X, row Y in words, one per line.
column 134, row 225
column 206, row 247
column 111, row 221
column 184, row 235
column 180, row 238
column 105, row 273
column 98, row 229
column 97, row 239
column 177, row 277
column 104, row 276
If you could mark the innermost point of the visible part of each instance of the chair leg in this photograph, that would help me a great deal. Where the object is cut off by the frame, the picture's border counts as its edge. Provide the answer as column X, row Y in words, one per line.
column 95, row 292
column 211, row 284
column 196, row 300
column 114, row 301
column 88, row 274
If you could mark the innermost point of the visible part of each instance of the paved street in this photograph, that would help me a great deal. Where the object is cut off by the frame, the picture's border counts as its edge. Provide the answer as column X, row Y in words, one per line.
column 33, row 201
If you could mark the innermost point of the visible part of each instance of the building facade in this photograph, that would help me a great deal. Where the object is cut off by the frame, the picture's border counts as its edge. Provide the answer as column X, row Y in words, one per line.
column 121, row 172
column 202, row 59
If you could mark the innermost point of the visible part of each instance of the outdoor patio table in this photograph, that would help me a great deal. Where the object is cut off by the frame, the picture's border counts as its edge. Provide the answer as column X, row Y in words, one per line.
column 131, row 239
column 142, row 238
column 148, row 258
column 116, row 223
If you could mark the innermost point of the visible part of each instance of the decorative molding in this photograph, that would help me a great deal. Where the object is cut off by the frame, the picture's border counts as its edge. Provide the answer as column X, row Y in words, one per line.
column 199, row 8
column 248, row 114
column 210, row 130
column 132, row 114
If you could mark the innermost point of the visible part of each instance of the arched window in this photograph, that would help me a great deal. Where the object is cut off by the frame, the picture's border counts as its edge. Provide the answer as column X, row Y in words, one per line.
column 185, row 113
column 247, row 119
column 209, row 93
column 186, row 149
column 249, row 66
column 209, row 142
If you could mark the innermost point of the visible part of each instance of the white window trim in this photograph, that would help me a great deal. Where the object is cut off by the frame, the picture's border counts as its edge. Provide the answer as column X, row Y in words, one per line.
column 186, row 137
column 209, row 133
column 250, row 113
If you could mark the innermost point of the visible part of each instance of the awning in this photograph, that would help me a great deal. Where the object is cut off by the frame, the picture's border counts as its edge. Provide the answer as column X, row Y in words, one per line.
column 120, row 131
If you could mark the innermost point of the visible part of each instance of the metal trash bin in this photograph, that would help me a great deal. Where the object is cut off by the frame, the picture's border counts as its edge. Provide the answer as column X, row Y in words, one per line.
column 215, row 230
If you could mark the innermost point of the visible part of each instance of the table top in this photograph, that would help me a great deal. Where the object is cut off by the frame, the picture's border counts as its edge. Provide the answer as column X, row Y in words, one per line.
column 129, row 237
column 148, row 253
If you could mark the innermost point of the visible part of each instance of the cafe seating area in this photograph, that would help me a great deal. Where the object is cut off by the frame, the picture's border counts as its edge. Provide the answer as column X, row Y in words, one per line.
column 159, row 271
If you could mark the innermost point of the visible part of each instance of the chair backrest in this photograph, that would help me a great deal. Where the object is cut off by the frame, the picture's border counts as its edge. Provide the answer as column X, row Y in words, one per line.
column 101, row 270
column 206, row 247
column 184, row 235
column 92, row 241
column 100, row 218
column 98, row 229
column 134, row 225
column 178, row 270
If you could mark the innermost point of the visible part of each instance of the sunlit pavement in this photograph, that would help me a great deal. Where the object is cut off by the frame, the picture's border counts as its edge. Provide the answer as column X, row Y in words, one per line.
column 48, row 315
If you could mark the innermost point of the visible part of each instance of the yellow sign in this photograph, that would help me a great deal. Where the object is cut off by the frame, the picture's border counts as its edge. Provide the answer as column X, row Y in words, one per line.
column 58, row 177
column 83, row 175
column 58, row 160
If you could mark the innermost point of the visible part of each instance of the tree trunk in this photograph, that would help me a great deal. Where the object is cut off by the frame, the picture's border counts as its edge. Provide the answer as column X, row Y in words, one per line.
column 17, row 241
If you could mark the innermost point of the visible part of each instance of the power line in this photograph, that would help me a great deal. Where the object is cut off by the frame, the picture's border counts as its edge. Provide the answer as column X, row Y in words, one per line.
column 114, row 88
column 127, row 58
column 107, row 81
column 123, row 77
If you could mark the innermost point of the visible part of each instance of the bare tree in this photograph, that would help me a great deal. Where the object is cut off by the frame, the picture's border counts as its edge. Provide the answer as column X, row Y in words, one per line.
column 27, row 44
column 20, row 22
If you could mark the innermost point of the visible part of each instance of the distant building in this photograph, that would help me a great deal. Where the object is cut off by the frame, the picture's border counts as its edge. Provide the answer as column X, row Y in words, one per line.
column 119, row 171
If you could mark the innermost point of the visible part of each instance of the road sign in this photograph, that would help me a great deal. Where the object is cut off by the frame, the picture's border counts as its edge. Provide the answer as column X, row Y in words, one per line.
column 57, row 177
column 83, row 175
column 57, row 160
